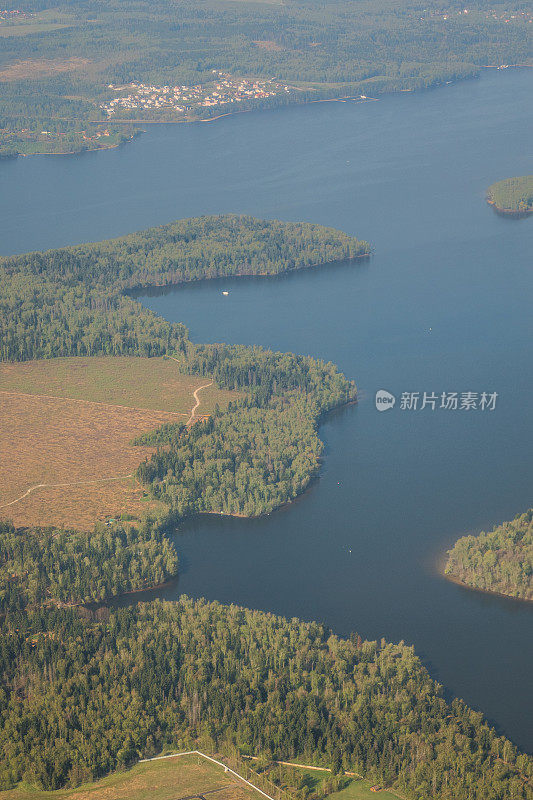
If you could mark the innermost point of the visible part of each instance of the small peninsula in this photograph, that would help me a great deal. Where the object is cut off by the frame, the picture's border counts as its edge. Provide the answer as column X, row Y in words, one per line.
column 500, row 561
column 513, row 196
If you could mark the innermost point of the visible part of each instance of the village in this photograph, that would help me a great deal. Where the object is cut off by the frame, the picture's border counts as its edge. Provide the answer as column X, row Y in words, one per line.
column 225, row 89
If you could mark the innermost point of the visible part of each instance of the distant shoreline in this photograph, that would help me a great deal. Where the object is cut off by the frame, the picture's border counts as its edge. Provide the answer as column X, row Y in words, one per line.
column 77, row 152
column 341, row 99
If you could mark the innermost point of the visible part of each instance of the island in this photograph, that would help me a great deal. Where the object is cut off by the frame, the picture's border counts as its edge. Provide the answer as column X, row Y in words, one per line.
column 500, row 561
column 512, row 197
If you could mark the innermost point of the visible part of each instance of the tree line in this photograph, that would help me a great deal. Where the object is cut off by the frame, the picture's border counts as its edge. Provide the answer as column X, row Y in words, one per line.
column 45, row 565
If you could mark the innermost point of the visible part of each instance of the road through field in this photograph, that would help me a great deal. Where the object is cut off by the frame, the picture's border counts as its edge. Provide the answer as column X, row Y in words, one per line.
column 64, row 486
column 198, row 401
column 100, row 480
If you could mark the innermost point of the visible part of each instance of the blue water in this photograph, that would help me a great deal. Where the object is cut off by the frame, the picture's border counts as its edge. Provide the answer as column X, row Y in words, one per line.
column 443, row 305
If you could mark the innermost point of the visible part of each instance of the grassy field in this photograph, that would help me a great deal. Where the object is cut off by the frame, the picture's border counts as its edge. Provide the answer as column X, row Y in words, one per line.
column 355, row 788
column 179, row 778
column 69, row 423
column 27, row 28
column 39, row 68
column 151, row 383
column 359, row 789
column 42, row 22
column 169, row 779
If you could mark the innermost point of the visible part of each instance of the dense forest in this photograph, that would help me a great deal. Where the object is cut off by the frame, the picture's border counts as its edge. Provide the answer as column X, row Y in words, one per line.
column 71, row 301
column 85, row 694
column 46, row 565
column 500, row 561
column 261, row 451
column 513, row 195
column 326, row 50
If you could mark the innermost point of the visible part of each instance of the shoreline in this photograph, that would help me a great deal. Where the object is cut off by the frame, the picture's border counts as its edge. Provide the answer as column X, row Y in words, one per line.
column 458, row 582
column 341, row 99
column 75, row 152
column 134, row 291
column 509, row 212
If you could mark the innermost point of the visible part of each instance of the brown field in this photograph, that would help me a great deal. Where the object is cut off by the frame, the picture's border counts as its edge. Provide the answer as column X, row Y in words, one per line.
column 167, row 779
column 69, row 461
column 41, row 67
column 267, row 44
column 25, row 30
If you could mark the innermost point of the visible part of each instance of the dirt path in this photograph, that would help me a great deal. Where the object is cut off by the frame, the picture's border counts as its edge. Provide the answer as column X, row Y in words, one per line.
column 197, row 404
column 64, row 486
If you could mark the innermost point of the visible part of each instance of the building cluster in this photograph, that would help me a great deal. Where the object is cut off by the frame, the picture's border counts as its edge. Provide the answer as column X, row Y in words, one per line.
column 520, row 16
column 223, row 90
column 12, row 15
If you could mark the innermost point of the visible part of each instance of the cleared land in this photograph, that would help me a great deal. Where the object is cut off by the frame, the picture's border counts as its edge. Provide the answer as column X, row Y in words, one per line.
column 39, row 68
column 66, row 428
column 359, row 789
column 25, row 30
column 355, row 788
column 169, row 779
column 148, row 383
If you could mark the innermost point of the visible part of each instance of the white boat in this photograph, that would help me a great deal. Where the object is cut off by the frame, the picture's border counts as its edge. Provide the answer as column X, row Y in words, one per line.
column 225, row 294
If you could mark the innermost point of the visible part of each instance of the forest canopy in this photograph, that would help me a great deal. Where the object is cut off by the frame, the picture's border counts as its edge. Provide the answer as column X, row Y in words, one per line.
column 513, row 195
column 248, row 459
column 83, row 695
column 499, row 561
column 85, row 691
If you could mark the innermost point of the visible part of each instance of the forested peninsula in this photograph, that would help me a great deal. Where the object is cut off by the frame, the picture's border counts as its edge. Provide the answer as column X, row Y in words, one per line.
column 500, row 561
column 512, row 196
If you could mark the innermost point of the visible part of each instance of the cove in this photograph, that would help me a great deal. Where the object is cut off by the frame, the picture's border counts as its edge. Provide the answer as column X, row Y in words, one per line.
column 443, row 305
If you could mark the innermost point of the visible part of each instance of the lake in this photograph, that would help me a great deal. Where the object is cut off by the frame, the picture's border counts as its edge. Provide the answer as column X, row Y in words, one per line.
column 443, row 305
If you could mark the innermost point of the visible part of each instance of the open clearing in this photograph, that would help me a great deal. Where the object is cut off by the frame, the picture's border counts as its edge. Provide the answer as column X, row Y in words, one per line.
column 40, row 68
column 41, row 22
column 355, row 789
column 66, row 428
column 169, row 779
column 150, row 383
column 37, row 27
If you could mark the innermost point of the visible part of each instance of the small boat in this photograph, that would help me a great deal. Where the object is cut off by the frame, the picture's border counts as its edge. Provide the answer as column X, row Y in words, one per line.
column 225, row 294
